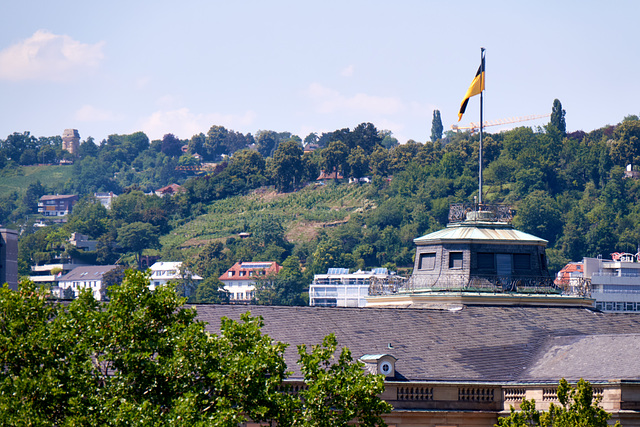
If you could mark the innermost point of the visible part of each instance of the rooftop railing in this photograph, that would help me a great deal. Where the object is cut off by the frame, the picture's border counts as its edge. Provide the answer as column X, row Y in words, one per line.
column 486, row 212
column 484, row 283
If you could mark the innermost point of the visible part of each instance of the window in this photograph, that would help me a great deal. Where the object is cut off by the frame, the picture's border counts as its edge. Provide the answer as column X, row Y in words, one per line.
column 521, row 262
column 455, row 260
column 427, row 261
column 486, row 261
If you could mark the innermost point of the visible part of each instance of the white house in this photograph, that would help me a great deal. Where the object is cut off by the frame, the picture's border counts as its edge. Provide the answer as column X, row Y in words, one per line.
column 240, row 279
column 84, row 277
column 106, row 199
column 165, row 272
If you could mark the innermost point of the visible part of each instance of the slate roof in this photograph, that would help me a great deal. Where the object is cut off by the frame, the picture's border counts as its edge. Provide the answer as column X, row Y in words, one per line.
column 91, row 272
column 59, row 197
column 474, row 344
column 606, row 357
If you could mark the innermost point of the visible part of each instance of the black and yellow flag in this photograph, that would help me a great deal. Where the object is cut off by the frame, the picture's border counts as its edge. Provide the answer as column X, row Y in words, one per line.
column 477, row 86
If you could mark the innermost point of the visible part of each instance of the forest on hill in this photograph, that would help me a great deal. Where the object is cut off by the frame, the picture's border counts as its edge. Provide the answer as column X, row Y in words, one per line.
column 571, row 189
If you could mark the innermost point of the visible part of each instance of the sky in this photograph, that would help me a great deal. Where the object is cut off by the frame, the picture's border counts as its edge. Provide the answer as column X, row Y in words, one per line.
column 161, row 67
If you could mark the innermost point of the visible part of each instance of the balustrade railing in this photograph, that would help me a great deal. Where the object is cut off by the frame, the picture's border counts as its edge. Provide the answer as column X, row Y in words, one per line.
column 486, row 212
column 484, row 283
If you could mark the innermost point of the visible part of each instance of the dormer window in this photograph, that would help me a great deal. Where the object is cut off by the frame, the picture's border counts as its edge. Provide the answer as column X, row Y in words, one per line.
column 382, row 364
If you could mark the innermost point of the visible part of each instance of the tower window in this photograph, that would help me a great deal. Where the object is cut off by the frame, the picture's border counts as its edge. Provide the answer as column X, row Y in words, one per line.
column 455, row 260
column 427, row 261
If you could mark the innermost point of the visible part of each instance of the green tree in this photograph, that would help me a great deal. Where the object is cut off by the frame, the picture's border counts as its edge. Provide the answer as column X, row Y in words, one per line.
column 248, row 166
column 88, row 148
column 171, row 146
column 338, row 394
column 266, row 142
column 335, row 158
column 388, row 141
column 577, row 407
column 89, row 217
column 539, row 215
column 144, row 360
column 358, row 163
column 285, row 288
column 216, row 142
column 365, row 136
column 138, row 236
column 210, row 291
column 379, row 162
column 287, row 166
column 436, row 126
column 557, row 117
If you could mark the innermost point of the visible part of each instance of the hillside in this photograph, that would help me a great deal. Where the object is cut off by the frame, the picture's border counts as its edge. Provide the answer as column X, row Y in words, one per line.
column 569, row 189
column 302, row 214
column 19, row 178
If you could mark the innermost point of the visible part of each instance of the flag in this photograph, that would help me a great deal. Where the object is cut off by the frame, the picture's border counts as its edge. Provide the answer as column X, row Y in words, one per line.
column 477, row 86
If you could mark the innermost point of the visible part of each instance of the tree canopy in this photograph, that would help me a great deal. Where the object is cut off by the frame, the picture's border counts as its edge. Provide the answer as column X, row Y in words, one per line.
column 577, row 407
column 145, row 360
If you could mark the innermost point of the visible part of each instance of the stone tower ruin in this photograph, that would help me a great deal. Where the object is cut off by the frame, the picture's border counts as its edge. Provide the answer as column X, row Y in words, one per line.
column 70, row 140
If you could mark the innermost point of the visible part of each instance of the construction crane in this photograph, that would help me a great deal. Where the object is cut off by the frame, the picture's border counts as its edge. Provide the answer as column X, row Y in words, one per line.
column 473, row 127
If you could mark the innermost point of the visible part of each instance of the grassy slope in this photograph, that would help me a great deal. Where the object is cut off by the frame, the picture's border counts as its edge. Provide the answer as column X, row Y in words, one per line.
column 51, row 176
column 301, row 213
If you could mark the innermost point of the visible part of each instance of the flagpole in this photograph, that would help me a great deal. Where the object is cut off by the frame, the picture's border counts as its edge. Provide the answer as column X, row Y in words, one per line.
column 480, row 148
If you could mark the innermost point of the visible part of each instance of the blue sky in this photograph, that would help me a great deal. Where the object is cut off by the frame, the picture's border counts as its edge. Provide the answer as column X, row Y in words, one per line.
column 180, row 67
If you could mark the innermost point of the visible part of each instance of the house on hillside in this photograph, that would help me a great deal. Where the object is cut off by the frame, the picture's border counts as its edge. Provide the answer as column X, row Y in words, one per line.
column 165, row 272
column 106, row 199
column 58, row 205
column 86, row 277
column 326, row 176
column 46, row 274
column 83, row 242
column 240, row 279
column 169, row 190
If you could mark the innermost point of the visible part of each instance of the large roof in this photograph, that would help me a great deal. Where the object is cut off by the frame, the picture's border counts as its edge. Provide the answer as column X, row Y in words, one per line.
column 479, row 232
column 90, row 272
column 472, row 344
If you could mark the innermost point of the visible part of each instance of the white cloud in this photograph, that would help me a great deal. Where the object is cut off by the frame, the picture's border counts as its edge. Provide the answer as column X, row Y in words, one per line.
column 348, row 71
column 48, row 56
column 184, row 124
column 89, row 113
column 329, row 101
